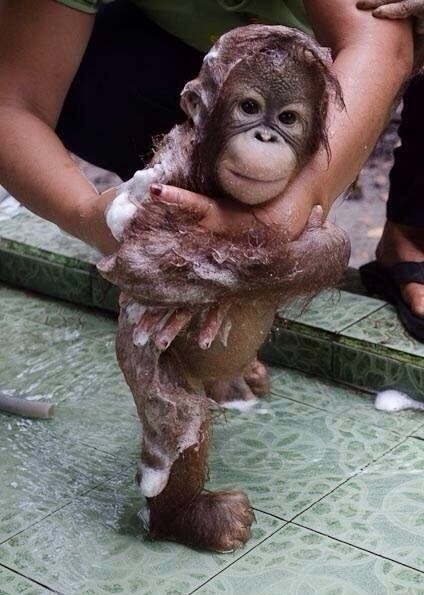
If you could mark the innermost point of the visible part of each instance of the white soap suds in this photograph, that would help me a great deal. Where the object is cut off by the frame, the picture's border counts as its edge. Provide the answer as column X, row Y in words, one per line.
column 153, row 481
column 131, row 194
column 239, row 405
column 120, row 212
column 393, row 400
column 134, row 312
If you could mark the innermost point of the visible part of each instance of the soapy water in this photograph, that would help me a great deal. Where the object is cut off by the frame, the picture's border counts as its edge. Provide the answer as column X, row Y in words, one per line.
column 9, row 206
column 392, row 401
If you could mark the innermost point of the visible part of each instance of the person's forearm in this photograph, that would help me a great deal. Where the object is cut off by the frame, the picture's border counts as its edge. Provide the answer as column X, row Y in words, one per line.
column 371, row 78
column 372, row 61
column 39, row 172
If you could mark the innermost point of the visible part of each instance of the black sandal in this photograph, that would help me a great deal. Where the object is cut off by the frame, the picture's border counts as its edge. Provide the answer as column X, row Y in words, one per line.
column 386, row 281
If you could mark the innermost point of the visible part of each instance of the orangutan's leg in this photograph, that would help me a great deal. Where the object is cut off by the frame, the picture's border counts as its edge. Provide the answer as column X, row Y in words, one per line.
column 241, row 392
column 184, row 513
column 257, row 377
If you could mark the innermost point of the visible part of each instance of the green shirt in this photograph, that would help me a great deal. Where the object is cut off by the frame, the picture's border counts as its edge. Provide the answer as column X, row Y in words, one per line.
column 200, row 22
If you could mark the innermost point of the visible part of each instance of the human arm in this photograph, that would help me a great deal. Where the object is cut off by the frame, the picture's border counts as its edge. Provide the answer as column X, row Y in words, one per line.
column 41, row 46
column 373, row 58
column 401, row 9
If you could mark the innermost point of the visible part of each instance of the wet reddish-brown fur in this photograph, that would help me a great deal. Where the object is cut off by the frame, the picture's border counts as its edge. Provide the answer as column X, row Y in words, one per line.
column 166, row 260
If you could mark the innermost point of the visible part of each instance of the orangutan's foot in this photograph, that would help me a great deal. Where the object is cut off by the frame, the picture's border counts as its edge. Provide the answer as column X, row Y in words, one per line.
column 241, row 392
column 257, row 377
column 232, row 394
column 401, row 243
column 217, row 521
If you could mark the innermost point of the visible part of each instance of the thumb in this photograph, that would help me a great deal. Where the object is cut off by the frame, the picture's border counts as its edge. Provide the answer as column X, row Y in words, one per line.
column 193, row 203
column 316, row 218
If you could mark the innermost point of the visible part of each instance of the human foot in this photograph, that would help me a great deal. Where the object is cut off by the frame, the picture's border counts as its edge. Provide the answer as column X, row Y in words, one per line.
column 402, row 243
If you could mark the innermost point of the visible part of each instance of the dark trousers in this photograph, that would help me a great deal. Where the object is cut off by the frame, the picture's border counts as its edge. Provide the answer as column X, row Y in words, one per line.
column 406, row 197
column 127, row 91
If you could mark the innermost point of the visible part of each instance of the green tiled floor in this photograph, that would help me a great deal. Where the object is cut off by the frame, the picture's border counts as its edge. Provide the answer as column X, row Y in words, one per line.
column 349, row 337
column 337, row 486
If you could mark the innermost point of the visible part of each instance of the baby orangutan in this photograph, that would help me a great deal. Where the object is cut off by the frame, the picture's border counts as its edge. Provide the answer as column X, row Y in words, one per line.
column 196, row 306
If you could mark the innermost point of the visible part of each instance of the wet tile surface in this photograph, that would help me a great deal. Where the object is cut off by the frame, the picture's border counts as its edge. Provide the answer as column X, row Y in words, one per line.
column 370, row 370
column 332, row 310
column 382, row 328
column 31, row 235
column 71, row 523
column 40, row 471
column 288, row 455
column 381, row 508
column 305, row 352
column 103, row 549
column 13, row 584
column 297, row 561
column 337, row 399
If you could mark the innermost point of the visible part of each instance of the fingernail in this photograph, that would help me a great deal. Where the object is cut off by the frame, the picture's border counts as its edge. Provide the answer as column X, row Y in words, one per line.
column 156, row 189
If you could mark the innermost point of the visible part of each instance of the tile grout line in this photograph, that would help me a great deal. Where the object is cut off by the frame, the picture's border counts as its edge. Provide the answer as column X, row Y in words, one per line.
column 358, row 547
column 32, row 580
column 361, row 470
column 211, row 578
column 291, row 522
column 52, row 512
column 356, row 474
column 345, row 328
column 347, row 415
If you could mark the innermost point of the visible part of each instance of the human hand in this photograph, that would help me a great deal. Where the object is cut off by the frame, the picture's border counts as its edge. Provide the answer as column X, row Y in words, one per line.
column 286, row 216
column 191, row 253
column 396, row 9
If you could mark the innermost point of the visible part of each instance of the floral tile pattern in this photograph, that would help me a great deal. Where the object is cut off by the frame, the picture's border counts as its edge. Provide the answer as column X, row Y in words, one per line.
column 369, row 370
column 40, row 471
column 314, row 454
column 383, row 329
column 286, row 455
column 32, row 236
column 381, row 508
column 57, row 314
column 337, row 399
column 304, row 352
column 332, row 310
column 45, row 277
column 297, row 561
column 103, row 549
column 13, row 584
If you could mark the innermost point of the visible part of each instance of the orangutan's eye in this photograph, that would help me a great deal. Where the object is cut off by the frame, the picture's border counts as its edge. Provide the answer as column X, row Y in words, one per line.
column 249, row 106
column 288, row 117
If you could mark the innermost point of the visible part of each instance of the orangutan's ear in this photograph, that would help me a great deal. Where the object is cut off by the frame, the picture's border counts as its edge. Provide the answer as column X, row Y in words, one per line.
column 191, row 101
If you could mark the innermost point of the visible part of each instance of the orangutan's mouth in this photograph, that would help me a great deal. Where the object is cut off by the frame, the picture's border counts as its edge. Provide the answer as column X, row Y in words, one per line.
column 253, row 180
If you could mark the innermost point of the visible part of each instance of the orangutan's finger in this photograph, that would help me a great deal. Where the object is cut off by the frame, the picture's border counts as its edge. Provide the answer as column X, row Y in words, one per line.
column 147, row 325
column 196, row 204
column 163, row 337
column 211, row 323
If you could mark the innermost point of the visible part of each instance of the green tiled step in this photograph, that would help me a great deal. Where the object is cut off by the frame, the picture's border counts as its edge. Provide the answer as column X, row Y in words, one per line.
column 350, row 338
column 37, row 255
column 342, row 335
